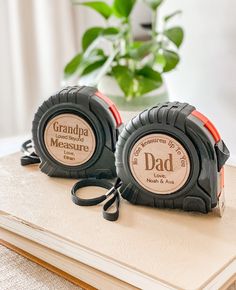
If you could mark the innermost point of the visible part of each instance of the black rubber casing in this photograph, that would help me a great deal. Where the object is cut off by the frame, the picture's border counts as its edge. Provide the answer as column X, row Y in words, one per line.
column 83, row 102
column 199, row 193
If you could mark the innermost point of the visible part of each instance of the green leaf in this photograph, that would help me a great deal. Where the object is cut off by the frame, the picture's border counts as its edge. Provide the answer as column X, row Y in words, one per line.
column 97, row 52
column 172, row 59
column 150, row 73
column 96, row 56
column 110, row 33
column 148, row 80
column 168, row 17
column 137, row 83
column 154, row 4
column 146, row 85
column 124, row 78
column 93, row 66
column 73, row 65
column 90, row 35
column 175, row 34
column 101, row 7
column 160, row 60
column 141, row 49
column 81, row 65
column 123, row 8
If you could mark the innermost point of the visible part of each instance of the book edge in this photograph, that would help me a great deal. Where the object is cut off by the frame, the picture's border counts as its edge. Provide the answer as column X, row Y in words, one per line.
column 47, row 266
column 86, row 256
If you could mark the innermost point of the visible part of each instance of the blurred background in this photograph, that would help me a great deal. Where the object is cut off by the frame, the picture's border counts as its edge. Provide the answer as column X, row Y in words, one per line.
column 38, row 38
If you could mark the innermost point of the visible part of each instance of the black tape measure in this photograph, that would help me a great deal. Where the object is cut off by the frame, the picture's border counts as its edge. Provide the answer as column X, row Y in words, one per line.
column 74, row 135
column 169, row 156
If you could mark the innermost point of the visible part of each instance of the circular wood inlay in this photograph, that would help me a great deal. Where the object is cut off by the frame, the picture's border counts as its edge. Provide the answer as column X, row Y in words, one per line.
column 159, row 163
column 69, row 139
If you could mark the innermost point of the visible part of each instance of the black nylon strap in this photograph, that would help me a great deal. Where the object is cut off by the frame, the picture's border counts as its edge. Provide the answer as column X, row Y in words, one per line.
column 112, row 216
column 29, row 157
column 113, row 189
column 89, row 182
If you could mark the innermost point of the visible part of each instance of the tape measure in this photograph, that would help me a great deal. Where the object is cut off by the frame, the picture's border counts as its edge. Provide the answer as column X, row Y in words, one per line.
column 74, row 134
column 172, row 156
column 168, row 156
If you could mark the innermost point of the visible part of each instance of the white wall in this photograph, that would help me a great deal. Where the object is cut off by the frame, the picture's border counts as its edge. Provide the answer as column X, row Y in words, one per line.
column 206, row 76
column 37, row 37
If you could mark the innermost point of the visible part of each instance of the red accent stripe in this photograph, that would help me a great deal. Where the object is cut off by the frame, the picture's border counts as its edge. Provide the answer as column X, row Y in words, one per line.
column 208, row 124
column 116, row 115
column 112, row 108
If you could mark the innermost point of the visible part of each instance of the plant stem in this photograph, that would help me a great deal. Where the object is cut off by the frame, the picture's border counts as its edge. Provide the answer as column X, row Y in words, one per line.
column 106, row 66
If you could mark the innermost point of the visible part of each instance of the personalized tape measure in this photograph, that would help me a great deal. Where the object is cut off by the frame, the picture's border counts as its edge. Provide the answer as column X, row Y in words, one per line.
column 169, row 156
column 74, row 134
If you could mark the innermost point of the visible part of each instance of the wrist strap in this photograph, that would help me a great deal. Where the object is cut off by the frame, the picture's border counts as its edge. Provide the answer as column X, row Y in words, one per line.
column 28, row 157
column 113, row 190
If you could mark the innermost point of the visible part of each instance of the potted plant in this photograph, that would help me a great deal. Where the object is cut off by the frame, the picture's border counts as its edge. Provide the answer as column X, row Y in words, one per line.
column 127, row 70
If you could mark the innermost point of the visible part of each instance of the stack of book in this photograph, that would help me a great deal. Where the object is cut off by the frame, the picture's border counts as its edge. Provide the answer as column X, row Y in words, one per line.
column 146, row 248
